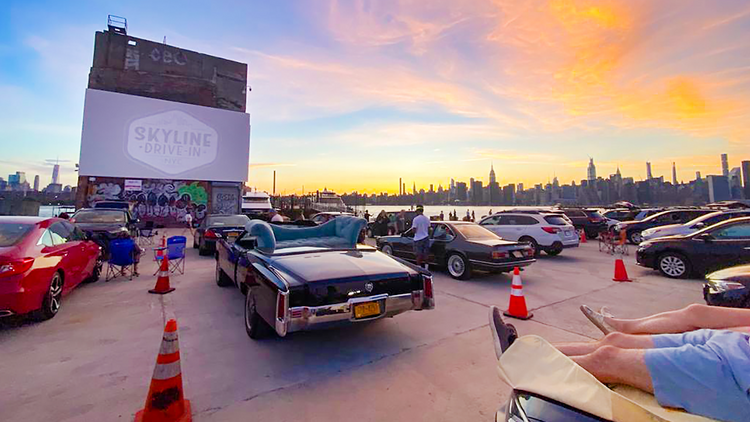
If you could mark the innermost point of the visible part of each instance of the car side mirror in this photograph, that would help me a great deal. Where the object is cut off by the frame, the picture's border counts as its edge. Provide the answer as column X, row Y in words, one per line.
column 706, row 237
column 699, row 225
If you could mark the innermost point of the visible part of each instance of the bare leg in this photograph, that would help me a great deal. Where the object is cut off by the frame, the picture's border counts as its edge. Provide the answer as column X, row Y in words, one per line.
column 619, row 340
column 692, row 317
column 610, row 364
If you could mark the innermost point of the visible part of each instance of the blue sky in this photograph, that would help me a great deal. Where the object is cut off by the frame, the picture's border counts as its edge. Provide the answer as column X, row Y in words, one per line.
column 355, row 94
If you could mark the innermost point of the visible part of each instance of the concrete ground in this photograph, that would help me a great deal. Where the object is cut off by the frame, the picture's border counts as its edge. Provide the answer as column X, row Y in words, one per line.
column 94, row 360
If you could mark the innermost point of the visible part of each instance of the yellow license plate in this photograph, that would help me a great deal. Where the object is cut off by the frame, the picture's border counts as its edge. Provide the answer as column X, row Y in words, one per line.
column 232, row 236
column 364, row 310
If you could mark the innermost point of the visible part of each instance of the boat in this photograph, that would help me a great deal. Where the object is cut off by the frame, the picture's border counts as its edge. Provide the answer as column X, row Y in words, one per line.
column 328, row 201
column 256, row 204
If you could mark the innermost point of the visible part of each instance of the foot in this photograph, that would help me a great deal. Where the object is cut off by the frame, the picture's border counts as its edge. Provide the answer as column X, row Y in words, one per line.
column 503, row 334
column 598, row 318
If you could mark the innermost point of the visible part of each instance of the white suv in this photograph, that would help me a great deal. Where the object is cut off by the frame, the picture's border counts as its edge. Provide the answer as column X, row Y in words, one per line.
column 545, row 231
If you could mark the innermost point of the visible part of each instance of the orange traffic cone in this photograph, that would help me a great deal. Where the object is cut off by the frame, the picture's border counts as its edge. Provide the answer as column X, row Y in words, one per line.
column 165, row 401
column 620, row 273
column 162, row 281
column 583, row 236
column 517, row 307
column 160, row 251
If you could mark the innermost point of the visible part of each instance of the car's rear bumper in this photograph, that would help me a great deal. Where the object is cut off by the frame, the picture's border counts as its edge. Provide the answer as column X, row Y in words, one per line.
column 303, row 318
column 495, row 266
column 17, row 298
column 209, row 245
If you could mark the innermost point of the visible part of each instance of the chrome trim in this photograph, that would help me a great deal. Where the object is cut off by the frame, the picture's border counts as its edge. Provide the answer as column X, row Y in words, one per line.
column 6, row 313
column 316, row 316
column 503, row 264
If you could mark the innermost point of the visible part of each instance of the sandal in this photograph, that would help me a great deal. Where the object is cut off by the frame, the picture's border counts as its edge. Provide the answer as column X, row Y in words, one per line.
column 597, row 318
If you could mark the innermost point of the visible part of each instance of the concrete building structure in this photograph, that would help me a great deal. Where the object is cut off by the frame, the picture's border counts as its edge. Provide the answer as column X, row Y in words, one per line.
column 746, row 178
column 718, row 188
column 724, row 165
column 55, row 174
column 674, row 173
column 36, row 183
column 591, row 171
column 649, row 175
column 179, row 158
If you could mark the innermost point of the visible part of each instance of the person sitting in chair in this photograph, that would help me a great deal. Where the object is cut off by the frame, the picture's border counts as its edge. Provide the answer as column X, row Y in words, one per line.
column 137, row 251
column 696, row 358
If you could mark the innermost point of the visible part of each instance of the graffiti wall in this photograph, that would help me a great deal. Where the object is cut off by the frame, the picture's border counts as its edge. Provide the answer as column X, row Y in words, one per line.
column 165, row 202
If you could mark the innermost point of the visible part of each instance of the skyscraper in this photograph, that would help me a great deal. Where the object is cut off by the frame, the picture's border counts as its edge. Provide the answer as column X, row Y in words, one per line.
column 492, row 174
column 36, row 183
column 697, row 175
column 56, row 174
column 674, row 174
column 400, row 192
column 591, row 170
column 724, row 165
column 649, row 176
column 746, row 178
column 718, row 188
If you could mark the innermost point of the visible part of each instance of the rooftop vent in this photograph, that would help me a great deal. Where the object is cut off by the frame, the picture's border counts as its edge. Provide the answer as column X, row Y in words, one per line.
column 117, row 24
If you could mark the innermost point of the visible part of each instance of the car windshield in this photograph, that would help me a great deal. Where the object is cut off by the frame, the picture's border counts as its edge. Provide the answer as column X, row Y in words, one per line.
column 114, row 205
column 228, row 220
column 99, row 216
column 474, row 232
column 12, row 233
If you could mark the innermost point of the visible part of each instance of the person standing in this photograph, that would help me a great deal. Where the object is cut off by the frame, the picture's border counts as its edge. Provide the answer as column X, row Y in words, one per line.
column 189, row 222
column 401, row 222
column 442, row 216
column 367, row 216
column 472, row 217
column 421, row 225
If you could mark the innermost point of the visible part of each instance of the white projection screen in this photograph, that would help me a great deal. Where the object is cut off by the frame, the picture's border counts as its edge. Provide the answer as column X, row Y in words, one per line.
column 138, row 137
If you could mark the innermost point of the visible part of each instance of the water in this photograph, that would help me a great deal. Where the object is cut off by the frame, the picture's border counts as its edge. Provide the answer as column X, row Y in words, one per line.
column 53, row 210
column 434, row 210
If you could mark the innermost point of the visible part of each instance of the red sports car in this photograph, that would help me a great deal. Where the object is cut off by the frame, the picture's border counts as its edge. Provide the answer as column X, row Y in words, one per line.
column 41, row 259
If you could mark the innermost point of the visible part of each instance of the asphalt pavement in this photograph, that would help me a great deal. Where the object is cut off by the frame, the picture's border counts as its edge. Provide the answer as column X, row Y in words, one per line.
column 94, row 360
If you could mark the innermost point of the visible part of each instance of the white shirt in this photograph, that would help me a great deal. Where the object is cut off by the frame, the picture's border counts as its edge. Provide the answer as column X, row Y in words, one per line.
column 421, row 226
column 188, row 218
column 277, row 218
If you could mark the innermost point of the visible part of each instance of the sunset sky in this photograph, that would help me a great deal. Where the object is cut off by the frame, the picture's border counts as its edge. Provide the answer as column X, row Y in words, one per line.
column 352, row 95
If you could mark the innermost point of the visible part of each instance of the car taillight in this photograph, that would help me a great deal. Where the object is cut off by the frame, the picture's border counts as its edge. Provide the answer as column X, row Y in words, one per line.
column 281, row 306
column 427, row 280
column 551, row 230
column 499, row 254
column 210, row 234
column 18, row 266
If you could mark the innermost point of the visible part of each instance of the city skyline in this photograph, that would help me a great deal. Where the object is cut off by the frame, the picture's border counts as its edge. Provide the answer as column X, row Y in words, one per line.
column 345, row 94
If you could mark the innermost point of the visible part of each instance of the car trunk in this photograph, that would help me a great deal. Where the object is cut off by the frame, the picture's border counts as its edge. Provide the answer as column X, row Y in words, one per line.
column 337, row 276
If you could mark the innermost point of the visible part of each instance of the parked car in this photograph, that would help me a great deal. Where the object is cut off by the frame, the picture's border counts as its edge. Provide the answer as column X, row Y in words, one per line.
column 693, row 225
column 293, row 281
column 105, row 221
column 544, row 231
column 462, row 247
column 590, row 221
column 729, row 287
column 633, row 229
column 42, row 259
column 720, row 246
column 614, row 216
column 216, row 226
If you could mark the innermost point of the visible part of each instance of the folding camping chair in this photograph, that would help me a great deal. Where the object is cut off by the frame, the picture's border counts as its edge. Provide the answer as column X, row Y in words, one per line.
column 147, row 233
column 121, row 261
column 175, row 252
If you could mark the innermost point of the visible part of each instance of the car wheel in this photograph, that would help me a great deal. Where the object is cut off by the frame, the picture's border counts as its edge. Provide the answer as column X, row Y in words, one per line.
column 635, row 237
column 673, row 265
column 255, row 326
column 532, row 242
column 458, row 267
column 554, row 252
column 387, row 249
column 369, row 233
column 97, row 272
column 52, row 299
column 222, row 280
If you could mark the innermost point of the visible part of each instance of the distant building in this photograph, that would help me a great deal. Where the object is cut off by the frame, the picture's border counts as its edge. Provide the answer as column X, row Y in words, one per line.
column 477, row 192
column 735, row 183
column 674, row 174
column 55, row 174
column 718, row 188
column 724, row 165
column 36, row 183
column 746, row 178
column 591, row 170
column 400, row 191
column 492, row 174
column 697, row 175
column 461, row 191
column 520, row 187
column 649, row 176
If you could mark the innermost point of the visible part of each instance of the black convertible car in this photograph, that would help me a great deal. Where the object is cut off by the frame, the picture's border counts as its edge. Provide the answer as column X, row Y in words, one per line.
column 722, row 245
column 313, row 277
column 462, row 247
column 217, row 226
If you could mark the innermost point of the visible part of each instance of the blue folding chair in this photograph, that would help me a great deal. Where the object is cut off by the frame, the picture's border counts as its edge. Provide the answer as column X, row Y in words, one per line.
column 175, row 252
column 121, row 260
